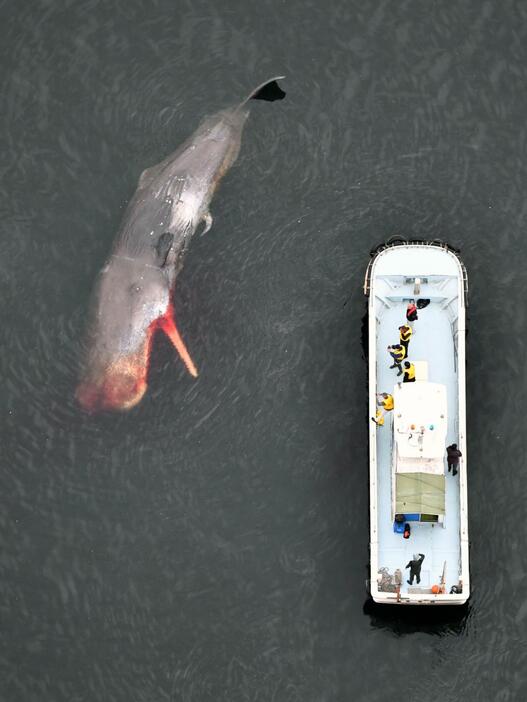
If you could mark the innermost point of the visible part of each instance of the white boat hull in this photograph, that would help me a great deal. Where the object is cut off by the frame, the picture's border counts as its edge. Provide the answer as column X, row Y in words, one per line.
column 411, row 444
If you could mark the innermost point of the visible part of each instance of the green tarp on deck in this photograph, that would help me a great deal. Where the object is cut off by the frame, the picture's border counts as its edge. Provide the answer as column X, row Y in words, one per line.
column 419, row 493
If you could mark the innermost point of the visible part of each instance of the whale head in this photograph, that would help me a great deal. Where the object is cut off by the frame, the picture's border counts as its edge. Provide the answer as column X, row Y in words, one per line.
column 131, row 302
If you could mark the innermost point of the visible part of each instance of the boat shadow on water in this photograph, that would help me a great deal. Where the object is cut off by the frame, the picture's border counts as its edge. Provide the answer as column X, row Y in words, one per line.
column 438, row 620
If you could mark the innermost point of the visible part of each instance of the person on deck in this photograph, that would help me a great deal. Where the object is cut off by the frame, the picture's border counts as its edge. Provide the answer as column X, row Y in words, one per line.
column 379, row 418
column 398, row 353
column 453, row 455
column 415, row 568
column 405, row 334
column 409, row 372
column 411, row 311
column 386, row 402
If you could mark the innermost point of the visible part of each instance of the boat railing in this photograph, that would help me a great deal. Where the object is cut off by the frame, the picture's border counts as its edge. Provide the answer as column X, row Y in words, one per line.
column 397, row 240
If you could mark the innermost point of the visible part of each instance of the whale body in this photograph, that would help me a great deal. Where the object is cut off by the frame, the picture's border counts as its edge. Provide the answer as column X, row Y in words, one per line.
column 133, row 297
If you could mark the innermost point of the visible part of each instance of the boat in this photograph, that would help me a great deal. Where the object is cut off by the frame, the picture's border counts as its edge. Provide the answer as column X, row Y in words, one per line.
column 419, row 547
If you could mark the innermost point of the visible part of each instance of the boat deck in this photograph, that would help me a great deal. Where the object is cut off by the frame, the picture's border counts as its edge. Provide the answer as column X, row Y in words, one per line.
column 432, row 341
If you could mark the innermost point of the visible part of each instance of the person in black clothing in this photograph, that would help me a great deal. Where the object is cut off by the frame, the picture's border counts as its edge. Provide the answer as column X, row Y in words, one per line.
column 411, row 311
column 415, row 568
column 452, row 457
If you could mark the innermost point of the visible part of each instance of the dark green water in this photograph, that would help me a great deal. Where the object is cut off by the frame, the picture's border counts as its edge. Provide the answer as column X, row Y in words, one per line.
column 212, row 544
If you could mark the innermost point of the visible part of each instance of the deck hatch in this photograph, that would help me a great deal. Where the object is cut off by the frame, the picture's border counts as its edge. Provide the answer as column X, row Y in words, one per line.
column 422, row 493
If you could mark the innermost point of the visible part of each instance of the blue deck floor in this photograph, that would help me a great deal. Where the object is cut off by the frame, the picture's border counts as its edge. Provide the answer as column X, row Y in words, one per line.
column 431, row 341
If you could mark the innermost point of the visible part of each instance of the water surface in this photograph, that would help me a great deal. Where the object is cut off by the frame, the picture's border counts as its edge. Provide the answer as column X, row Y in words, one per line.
column 212, row 544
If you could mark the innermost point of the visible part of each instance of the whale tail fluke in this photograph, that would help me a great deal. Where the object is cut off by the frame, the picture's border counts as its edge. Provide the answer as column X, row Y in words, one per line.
column 270, row 91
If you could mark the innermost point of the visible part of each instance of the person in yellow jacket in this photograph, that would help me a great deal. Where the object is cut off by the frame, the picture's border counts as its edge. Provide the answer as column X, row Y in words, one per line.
column 405, row 334
column 409, row 372
column 379, row 418
column 398, row 353
column 386, row 402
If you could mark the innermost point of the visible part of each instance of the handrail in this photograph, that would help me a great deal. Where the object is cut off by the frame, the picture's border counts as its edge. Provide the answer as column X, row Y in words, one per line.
column 397, row 240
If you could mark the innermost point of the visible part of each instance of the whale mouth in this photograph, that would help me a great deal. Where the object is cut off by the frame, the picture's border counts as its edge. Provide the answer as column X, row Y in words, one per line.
column 121, row 384
column 167, row 324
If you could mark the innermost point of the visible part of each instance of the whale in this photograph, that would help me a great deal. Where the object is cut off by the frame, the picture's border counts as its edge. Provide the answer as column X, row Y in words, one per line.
column 133, row 297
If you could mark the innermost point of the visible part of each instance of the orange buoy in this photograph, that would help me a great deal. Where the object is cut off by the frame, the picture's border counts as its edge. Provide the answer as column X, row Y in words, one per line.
column 435, row 589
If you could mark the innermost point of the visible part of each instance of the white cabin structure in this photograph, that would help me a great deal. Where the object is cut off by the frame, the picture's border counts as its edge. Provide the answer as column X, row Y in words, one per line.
column 418, row 507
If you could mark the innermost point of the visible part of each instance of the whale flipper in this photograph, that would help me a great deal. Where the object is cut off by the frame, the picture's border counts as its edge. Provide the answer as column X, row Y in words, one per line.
column 207, row 219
